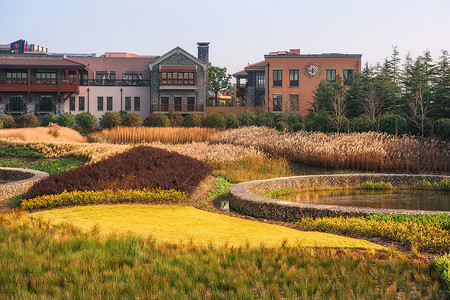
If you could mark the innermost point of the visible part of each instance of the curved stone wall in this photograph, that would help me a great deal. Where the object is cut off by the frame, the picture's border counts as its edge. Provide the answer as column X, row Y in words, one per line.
column 244, row 198
column 22, row 180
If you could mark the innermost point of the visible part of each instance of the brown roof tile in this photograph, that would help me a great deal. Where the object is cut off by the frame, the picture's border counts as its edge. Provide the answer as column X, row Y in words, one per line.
column 256, row 66
column 39, row 62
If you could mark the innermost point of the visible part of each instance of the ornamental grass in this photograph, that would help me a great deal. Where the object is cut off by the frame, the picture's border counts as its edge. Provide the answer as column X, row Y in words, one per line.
column 139, row 168
column 368, row 151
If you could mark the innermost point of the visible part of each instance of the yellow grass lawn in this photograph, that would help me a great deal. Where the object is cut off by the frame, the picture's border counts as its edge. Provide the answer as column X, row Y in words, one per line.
column 41, row 134
column 182, row 223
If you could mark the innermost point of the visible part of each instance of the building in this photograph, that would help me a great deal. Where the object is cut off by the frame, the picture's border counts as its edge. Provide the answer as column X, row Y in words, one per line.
column 39, row 83
column 285, row 81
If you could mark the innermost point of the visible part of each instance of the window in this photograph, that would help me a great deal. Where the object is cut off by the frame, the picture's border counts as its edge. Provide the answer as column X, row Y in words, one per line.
column 81, row 103
column 177, row 102
column 132, row 78
column 277, row 79
column 277, row 102
column 72, row 103
column 127, row 103
column 16, row 103
column 45, row 103
column 348, row 76
column 293, row 103
column 105, row 77
column 137, row 103
column 84, row 79
column 293, row 78
column 109, row 103
column 190, row 103
column 177, row 78
column 331, row 75
column 99, row 103
column 18, row 77
column 165, row 103
column 260, row 80
column 45, row 77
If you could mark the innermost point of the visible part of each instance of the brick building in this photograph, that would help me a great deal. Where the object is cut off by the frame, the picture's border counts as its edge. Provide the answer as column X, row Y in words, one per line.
column 285, row 81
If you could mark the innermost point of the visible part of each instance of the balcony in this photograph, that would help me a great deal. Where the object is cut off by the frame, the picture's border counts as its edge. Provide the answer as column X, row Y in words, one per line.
column 113, row 82
column 181, row 108
column 38, row 85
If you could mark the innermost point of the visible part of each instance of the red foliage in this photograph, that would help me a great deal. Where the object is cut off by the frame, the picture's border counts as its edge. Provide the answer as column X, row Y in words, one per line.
column 141, row 167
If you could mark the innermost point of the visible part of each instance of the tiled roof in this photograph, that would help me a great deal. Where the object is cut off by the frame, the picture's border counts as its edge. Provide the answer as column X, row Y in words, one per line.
column 256, row 66
column 34, row 62
column 240, row 73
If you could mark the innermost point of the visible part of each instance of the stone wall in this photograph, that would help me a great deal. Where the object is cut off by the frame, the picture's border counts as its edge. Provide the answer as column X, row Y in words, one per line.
column 245, row 199
column 22, row 180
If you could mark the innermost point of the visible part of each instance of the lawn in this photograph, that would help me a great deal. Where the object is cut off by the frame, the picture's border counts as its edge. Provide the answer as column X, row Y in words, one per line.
column 180, row 223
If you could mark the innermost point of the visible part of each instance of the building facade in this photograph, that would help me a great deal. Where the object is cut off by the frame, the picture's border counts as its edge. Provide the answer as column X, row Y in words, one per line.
column 285, row 81
column 116, row 81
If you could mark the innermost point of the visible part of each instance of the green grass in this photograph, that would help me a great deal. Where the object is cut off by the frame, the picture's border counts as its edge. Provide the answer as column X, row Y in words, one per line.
column 13, row 150
column 443, row 267
column 49, row 165
column 439, row 220
column 40, row 261
column 175, row 223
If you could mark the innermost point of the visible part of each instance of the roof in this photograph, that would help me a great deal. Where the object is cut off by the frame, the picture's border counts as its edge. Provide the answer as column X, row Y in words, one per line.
column 256, row 66
column 34, row 62
column 240, row 74
column 178, row 50
column 286, row 54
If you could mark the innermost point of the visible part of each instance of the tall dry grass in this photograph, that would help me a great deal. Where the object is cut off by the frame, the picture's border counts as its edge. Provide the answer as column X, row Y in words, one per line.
column 369, row 151
column 41, row 134
column 175, row 135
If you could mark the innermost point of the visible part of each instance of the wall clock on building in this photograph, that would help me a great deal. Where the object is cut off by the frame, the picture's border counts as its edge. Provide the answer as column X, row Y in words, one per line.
column 312, row 70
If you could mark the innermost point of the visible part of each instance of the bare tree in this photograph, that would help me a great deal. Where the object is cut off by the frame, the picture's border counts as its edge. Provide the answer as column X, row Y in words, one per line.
column 373, row 106
column 338, row 104
column 419, row 107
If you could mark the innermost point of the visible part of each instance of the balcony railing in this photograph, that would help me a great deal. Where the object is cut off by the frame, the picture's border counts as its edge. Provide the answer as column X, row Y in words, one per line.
column 182, row 108
column 111, row 82
column 38, row 84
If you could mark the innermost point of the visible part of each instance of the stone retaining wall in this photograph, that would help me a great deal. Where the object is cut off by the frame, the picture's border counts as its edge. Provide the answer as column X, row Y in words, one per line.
column 22, row 179
column 244, row 198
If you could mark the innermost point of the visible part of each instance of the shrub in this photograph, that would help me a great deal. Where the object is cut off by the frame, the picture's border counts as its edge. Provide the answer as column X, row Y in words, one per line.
column 158, row 196
column 214, row 120
column 132, row 119
column 247, row 118
column 318, row 122
column 8, row 121
column 28, row 120
column 360, row 124
column 147, row 121
column 291, row 119
column 139, row 168
column 296, row 127
column 443, row 267
column 49, row 118
column 175, row 118
column 66, row 120
column 110, row 120
column 192, row 120
column 86, row 121
column 392, row 123
column 266, row 119
column 1, row 124
column 442, row 128
column 231, row 121
column 160, row 121
column 282, row 126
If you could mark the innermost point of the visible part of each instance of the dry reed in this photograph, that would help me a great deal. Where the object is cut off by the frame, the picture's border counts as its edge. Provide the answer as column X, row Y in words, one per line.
column 41, row 134
column 369, row 151
column 133, row 135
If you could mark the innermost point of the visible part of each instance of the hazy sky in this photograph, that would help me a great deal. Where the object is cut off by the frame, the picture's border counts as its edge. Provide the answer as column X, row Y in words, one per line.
column 240, row 32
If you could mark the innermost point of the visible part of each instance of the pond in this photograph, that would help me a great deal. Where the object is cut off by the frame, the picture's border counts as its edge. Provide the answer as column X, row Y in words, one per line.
column 399, row 199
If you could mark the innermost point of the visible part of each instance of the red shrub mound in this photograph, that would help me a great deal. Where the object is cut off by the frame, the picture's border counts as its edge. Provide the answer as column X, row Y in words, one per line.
column 141, row 167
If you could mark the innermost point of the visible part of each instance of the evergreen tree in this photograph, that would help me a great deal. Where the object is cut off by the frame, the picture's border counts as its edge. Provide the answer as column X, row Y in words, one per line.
column 441, row 93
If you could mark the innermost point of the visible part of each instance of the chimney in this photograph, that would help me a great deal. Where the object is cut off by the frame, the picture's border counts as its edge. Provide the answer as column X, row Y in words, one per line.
column 203, row 51
column 294, row 51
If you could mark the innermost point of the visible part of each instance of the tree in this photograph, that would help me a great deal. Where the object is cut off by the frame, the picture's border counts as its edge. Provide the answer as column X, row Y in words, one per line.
column 441, row 93
column 373, row 106
column 86, row 121
column 322, row 96
column 338, row 103
column 218, row 80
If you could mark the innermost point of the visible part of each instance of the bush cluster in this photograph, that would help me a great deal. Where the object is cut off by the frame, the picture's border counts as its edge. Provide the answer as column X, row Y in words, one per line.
column 443, row 267
column 157, row 196
column 28, row 120
column 141, row 167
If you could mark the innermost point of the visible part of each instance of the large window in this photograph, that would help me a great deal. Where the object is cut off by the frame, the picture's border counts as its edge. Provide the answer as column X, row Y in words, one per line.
column 16, row 103
column 348, row 76
column 81, row 103
column 277, row 78
column 331, row 75
column 105, row 77
column 190, row 103
column 72, row 103
column 45, row 77
column 45, row 103
column 293, row 103
column 164, row 103
column 127, row 103
column 260, row 80
column 137, row 103
column 109, row 103
column 277, row 102
column 177, row 78
column 17, row 77
column 132, row 78
column 293, row 78
column 99, row 103
column 177, row 101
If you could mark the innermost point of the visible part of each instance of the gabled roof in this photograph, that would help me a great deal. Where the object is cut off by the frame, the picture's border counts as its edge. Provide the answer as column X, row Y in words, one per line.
column 177, row 50
column 33, row 62
column 256, row 66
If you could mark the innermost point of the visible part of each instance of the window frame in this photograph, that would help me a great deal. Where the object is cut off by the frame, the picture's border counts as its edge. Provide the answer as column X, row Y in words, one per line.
column 331, row 70
column 279, row 104
column 278, row 78
column 295, row 81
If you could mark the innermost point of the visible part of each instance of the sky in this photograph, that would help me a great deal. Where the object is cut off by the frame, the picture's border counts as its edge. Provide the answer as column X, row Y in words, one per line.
column 239, row 32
